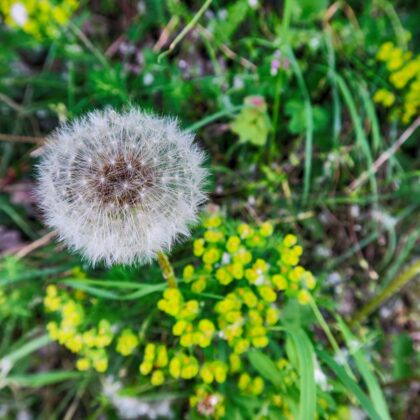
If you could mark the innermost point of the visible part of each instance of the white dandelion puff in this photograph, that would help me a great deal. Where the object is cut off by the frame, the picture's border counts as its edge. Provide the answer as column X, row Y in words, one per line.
column 121, row 187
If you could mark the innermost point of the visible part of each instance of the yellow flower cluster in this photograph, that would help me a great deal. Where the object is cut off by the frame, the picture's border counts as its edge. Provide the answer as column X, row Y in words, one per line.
column 248, row 385
column 38, row 18
column 90, row 344
column 404, row 74
column 184, row 366
column 214, row 371
column 232, row 263
column 185, row 313
column 154, row 360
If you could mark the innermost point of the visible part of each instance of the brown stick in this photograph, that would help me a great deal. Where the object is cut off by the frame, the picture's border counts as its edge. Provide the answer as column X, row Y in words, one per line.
column 39, row 243
column 385, row 156
column 21, row 139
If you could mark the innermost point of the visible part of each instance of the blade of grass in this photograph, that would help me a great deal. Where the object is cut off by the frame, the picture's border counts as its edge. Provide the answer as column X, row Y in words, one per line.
column 335, row 95
column 361, row 138
column 309, row 124
column 365, row 371
column 214, row 117
column 186, row 29
column 145, row 289
column 371, row 113
column 31, row 274
column 38, row 380
column 265, row 367
column 350, row 384
column 26, row 349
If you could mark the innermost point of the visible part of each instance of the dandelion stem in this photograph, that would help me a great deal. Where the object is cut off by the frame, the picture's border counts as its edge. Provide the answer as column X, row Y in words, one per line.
column 167, row 269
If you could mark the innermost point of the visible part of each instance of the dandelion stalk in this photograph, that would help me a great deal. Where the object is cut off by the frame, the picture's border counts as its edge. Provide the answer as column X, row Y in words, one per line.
column 393, row 287
column 167, row 269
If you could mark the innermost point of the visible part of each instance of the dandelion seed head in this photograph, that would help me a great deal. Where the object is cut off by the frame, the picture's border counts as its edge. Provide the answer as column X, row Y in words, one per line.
column 120, row 187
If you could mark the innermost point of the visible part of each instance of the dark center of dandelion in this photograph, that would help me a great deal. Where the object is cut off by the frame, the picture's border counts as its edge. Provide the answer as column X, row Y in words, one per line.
column 122, row 181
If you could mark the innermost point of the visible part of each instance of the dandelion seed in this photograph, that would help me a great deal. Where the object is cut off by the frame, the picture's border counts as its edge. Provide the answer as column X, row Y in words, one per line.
column 133, row 185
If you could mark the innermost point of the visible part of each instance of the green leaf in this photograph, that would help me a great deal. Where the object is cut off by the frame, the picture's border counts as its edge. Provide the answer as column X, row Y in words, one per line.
column 305, row 353
column 38, row 380
column 265, row 367
column 144, row 289
column 365, row 370
column 403, row 355
column 252, row 124
column 27, row 348
column 350, row 384
column 296, row 110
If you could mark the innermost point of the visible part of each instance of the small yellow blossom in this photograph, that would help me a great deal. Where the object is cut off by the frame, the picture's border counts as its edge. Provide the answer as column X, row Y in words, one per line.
column 127, row 342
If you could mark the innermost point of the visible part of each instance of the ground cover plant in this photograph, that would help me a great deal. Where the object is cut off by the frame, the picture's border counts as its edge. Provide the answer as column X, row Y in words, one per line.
column 291, row 174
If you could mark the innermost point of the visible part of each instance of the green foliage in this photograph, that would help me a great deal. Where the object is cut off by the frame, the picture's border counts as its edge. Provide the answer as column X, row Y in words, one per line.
column 308, row 111
column 252, row 124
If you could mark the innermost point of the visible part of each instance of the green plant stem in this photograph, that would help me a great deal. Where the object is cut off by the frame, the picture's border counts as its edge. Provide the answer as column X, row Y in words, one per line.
column 393, row 287
column 184, row 32
column 167, row 270
column 330, row 336
column 287, row 17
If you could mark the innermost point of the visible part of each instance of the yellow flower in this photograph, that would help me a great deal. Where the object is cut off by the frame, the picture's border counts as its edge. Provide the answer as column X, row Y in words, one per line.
column 309, row 280
column 271, row 316
column 199, row 285
column 75, row 343
column 162, row 356
column 52, row 329
column 220, row 370
column 245, row 231
column 189, row 367
column 213, row 221
column 260, row 342
column 244, row 381
column 213, row 236
column 175, row 367
column 242, row 256
column 146, row 367
column 395, row 60
column 199, row 247
column 241, row 345
column 237, row 270
column 188, row 273
column 206, row 373
column 267, row 293
column 257, row 386
column 384, row 97
column 101, row 364
column 266, row 229
column 179, row 327
column 304, row 297
column 232, row 244
column 223, row 276
column 289, row 240
column 279, row 281
column 127, row 342
column 211, row 256
column 235, row 362
column 385, row 51
column 157, row 378
column 83, row 364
